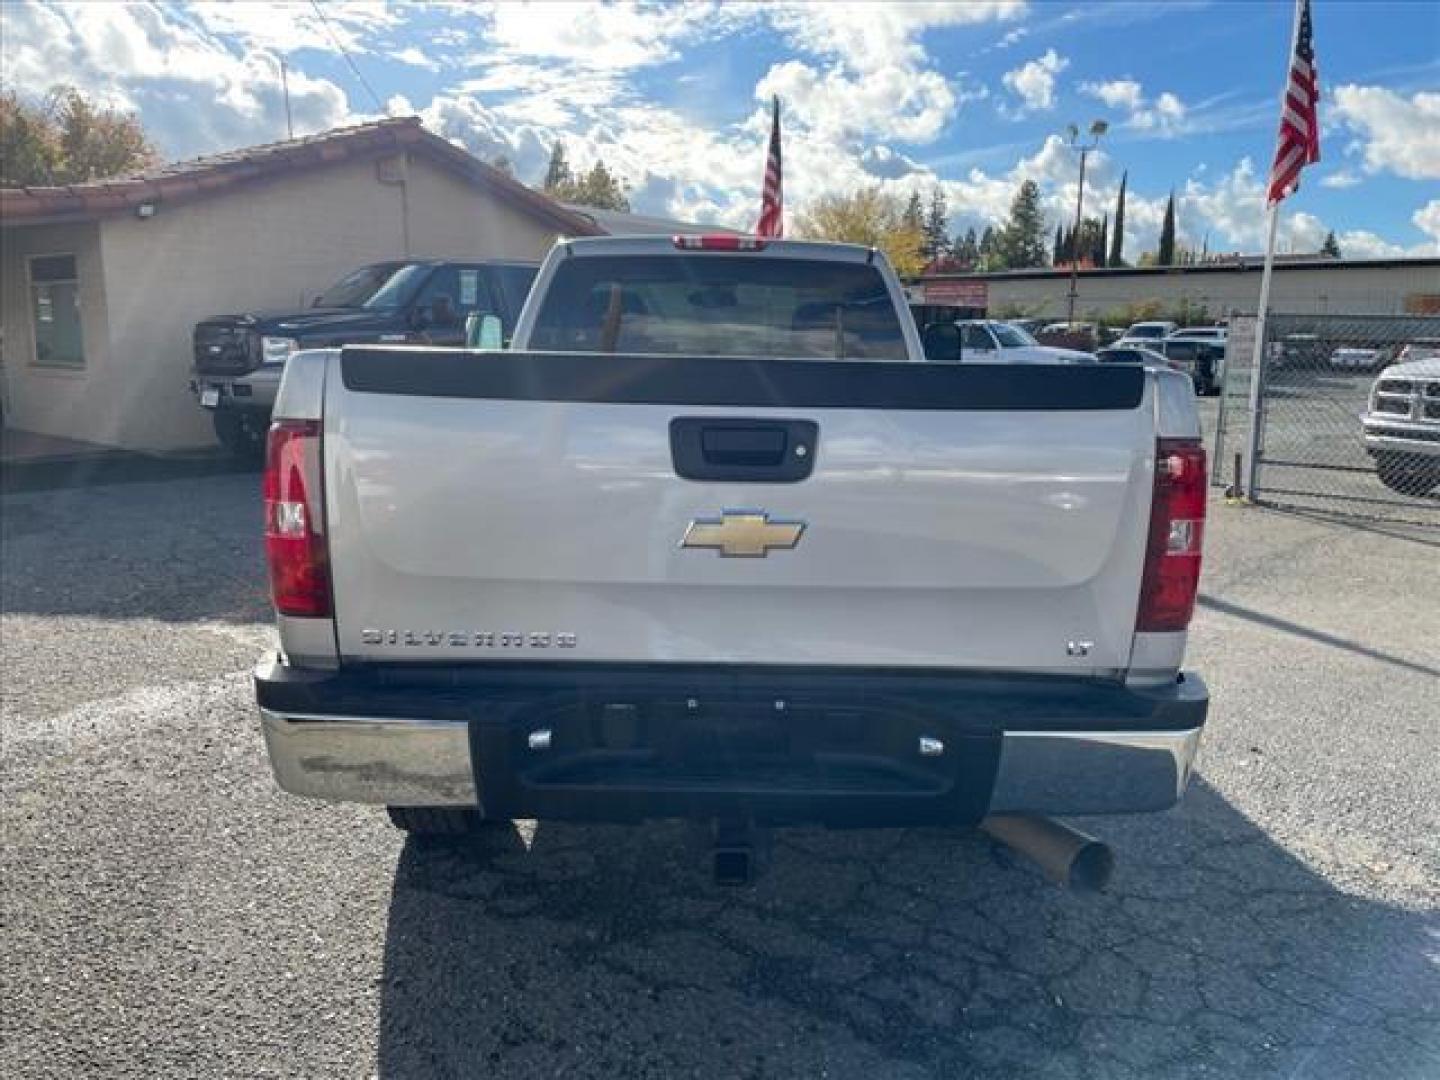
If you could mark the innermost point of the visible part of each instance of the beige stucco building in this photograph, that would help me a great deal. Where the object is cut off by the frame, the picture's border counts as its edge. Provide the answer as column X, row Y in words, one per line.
column 101, row 284
column 1303, row 286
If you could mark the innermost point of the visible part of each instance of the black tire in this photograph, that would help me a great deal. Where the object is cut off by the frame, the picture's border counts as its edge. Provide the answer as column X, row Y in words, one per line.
column 242, row 434
column 437, row 822
column 1408, row 475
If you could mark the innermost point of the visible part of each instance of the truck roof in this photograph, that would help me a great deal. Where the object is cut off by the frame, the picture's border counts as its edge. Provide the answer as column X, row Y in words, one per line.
column 667, row 245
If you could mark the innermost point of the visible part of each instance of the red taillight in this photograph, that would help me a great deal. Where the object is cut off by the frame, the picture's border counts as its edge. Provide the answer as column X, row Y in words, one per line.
column 294, row 542
column 719, row 242
column 1177, row 531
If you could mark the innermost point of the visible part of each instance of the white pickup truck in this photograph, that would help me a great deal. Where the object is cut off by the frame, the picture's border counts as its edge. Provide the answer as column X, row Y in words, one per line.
column 712, row 540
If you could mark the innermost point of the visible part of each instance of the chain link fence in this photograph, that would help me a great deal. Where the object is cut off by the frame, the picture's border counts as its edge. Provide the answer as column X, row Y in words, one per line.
column 1349, row 414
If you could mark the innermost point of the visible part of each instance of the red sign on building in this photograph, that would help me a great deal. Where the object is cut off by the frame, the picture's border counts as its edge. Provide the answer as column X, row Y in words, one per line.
column 970, row 294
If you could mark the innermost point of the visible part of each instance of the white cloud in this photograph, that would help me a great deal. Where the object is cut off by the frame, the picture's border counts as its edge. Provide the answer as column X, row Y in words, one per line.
column 1164, row 116
column 867, row 36
column 1344, row 178
column 1012, row 37
column 1427, row 220
column 1393, row 133
column 1118, row 93
column 1034, row 82
column 280, row 26
column 415, row 58
column 194, row 93
column 616, row 36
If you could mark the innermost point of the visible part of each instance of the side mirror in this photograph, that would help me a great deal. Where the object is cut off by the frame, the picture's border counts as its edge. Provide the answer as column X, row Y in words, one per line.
column 483, row 331
column 941, row 342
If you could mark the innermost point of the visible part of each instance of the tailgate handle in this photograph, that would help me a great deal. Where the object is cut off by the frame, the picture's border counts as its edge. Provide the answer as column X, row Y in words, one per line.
column 743, row 445
column 745, row 449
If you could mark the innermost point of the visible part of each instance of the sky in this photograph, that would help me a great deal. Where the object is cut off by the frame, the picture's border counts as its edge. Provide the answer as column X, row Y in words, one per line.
column 974, row 97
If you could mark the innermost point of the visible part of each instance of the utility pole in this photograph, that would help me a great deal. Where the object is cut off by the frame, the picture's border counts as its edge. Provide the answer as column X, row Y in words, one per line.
column 285, row 93
column 1097, row 128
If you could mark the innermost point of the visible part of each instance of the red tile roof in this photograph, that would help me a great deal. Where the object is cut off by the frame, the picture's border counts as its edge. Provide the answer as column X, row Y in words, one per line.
column 201, row 177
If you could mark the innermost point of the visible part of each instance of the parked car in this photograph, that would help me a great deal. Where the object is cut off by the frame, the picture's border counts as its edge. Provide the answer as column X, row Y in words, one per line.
column 1220, row 334
column 1143, row 332
column 1203, row 361
column 987, row 341
column 1421, row 349
column 1134, row 354
column 1402, row 426
column 239, row 358
column 1299, row 350
column 959, row 593
column 1078, row 336
column 1358, row 358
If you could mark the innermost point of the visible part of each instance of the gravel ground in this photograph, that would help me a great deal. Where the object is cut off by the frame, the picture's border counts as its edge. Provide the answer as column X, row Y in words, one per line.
column 167, row 912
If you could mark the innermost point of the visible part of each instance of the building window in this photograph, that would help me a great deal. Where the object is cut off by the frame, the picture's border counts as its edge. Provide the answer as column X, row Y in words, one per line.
column 55, row 312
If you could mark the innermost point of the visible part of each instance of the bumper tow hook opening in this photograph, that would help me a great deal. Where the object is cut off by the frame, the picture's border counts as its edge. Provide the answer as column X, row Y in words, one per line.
column 1066, row 856
column 739, row 852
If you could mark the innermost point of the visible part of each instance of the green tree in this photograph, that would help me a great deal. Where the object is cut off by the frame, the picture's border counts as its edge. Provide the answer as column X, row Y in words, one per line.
column 1165, row 254
column 558, row 176
column 871, row 217
column 1022, row 240
column 992, row 254
column 601, row 189
column 1102, row 242
column 937, row 226
column 914, row 215
column 1117, row 238
column 1331, row 247
column 966, row 249
column 68, row 139
column 1057, row 253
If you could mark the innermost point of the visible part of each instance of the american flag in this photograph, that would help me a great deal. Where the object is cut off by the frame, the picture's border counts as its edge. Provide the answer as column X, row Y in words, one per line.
column 1299, row 142
column 772, row 198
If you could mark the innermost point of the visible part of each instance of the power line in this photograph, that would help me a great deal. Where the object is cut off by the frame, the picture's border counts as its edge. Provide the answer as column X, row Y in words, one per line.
column 325, row 22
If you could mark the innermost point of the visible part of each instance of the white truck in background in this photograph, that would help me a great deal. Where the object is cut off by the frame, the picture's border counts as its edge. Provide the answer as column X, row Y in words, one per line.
column 712, row 540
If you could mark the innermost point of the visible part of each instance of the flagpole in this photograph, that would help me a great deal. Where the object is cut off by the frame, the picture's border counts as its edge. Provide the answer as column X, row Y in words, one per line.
column 1257, row 360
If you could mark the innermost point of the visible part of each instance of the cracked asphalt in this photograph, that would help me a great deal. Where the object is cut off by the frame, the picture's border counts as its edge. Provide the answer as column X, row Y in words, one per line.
column 167, row 912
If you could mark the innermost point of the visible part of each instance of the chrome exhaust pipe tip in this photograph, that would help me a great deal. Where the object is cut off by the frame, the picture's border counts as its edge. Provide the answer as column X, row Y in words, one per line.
column 1066, row 856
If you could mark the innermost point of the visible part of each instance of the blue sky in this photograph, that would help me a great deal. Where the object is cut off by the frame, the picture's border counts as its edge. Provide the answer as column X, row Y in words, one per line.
column 971, row 96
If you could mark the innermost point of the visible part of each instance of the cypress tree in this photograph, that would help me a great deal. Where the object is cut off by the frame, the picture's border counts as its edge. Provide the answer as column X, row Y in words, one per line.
column 1165, row 256
column 1117, row 241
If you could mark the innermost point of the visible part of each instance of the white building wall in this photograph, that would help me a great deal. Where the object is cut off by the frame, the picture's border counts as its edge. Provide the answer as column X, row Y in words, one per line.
column 1301, row 290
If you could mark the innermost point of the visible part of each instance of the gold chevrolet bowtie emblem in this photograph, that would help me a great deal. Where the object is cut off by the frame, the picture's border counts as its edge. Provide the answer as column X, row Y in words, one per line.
column 746, row 534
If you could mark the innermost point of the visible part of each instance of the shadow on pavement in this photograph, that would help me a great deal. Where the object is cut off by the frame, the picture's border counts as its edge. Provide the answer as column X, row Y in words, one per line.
column 604, row 951
column 1274, row 622
column 117, row 467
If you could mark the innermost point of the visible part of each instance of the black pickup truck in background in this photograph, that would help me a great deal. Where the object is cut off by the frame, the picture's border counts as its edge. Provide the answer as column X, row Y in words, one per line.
column 239, row 358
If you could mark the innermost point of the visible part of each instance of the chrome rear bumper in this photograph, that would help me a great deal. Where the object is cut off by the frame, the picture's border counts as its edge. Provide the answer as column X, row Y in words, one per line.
column 428, row 763
column 385, row 762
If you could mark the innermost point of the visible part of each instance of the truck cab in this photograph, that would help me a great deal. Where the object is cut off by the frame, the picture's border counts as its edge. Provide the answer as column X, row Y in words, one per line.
column 239, row 358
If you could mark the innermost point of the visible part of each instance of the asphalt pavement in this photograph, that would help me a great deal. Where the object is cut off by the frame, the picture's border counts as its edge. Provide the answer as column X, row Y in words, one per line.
column 167, row 912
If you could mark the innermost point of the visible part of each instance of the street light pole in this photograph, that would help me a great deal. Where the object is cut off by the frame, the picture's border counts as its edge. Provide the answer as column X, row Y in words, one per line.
column 1097, row 128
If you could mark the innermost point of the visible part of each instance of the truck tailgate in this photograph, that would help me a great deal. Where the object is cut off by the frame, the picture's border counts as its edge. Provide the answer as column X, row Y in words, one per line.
column 528, row 507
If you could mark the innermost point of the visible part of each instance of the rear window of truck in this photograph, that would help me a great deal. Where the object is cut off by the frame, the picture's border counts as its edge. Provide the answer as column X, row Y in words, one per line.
column 747, row 306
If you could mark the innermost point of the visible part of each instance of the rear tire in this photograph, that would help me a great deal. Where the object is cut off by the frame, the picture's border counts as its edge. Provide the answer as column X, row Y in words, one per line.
column 440, row 822
column 1408, row 475
column 241, row 434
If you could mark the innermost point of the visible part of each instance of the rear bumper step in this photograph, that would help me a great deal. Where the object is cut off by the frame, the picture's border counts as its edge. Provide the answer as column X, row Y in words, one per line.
column 840, row 749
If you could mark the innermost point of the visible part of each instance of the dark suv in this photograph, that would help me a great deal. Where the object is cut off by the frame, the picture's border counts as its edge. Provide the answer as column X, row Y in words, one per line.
column 239, row 358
